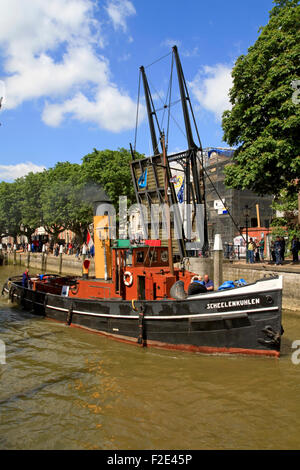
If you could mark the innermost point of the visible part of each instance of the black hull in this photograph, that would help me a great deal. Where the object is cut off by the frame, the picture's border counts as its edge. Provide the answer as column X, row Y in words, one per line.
column 229, row 322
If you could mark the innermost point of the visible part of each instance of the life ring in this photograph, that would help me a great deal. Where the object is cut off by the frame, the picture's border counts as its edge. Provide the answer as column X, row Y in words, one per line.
column 195, row 278
column 128, row 282
column 164, row 256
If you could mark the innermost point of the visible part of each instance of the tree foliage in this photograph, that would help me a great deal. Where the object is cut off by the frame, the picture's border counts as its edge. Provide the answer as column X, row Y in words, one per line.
column 286, row 204
column 62, row 201
column 61, row 197
column 264, row 121
column 111, row 170
column 10, row 209
column 29, row 196
column 53, row 198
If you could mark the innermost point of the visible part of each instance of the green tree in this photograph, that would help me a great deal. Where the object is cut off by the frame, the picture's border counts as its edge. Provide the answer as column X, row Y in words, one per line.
column 264, row 121
column 110, row 169
column 30, row 191
column 62, row 201
column 10, row 209
column 287, row 205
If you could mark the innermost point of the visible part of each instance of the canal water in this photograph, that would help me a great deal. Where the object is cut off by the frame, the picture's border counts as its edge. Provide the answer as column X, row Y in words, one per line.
column 65, row 388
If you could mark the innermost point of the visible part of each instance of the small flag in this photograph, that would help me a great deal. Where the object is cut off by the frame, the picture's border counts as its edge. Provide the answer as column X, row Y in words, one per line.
column 89, row 241
column 180, row 193
column 142, row 182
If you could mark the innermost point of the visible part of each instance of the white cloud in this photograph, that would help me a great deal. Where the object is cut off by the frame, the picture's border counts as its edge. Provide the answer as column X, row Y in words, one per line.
column 211, row 87
column 51, row 51
column 11, row 172
column 110, row 110
column 42, row 76
column 118, row 11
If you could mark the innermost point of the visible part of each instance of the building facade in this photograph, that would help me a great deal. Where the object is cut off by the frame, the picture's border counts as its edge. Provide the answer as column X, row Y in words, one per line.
column 226, row 208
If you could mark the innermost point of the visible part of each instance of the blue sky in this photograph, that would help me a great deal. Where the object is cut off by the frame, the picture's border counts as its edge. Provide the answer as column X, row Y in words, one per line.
column 69, row 72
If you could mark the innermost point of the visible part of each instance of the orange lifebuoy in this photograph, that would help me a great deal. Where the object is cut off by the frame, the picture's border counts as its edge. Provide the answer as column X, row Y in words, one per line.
column 128, row 278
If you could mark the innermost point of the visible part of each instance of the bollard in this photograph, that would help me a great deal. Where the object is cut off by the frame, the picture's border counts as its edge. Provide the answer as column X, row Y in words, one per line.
column 28, row 255
column 15, row 254
column 83, row 256
column 218, row 262
column 60, row 259
column 43, row 259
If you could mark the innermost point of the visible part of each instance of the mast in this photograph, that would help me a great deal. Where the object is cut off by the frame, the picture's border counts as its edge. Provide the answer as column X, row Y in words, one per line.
column 150, row 112
column 173, row 198
column 167, row 207
column 184, row 97
column 191, row 161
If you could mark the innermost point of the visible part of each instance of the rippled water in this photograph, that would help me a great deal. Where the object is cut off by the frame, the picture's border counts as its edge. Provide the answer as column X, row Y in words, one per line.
column 65, row 388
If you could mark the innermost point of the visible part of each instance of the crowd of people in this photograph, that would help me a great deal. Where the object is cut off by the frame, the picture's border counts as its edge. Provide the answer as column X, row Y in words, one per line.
column 278, row 249
column 37, row 246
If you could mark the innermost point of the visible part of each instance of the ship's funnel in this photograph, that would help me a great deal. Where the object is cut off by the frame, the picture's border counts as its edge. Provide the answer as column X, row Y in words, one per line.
column 104, row 232
column 103, row 262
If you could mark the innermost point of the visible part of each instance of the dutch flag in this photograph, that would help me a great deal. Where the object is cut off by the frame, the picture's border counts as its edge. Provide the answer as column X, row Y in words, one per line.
column 89, row 241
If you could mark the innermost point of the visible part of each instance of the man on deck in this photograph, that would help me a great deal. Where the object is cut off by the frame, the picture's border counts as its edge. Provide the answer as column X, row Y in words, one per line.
column 25, row 278
column 208, row 282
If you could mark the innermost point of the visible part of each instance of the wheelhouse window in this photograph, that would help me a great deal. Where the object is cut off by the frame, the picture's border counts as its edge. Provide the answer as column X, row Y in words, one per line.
column 153, row 256
column 129, row 258
column 140, row 257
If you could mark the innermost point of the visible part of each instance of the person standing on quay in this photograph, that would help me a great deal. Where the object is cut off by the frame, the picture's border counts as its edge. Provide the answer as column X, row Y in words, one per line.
column 261, row 246
column 251, row 248
column 282, row 251
column 295, row 246
column 278, row 250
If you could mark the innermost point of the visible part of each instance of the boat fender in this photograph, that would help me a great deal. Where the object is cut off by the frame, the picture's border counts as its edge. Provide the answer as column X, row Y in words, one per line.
column 128, row 278
column 6, row 287
column 141, row 338
column 74, row 288
column 11, row 293
column 164, row 256
column 70, row 314
column 177, row 291
column 45, row 302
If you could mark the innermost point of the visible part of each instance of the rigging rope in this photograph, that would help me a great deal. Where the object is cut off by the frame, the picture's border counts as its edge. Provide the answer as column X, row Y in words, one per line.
column 157, row 60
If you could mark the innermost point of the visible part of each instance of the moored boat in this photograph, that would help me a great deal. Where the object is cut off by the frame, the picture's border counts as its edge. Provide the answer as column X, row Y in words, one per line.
column 138, row 295
column 244, row 319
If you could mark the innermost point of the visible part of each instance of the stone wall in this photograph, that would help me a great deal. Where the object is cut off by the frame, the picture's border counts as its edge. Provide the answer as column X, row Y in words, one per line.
column 69, row 264
column 291, row 281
